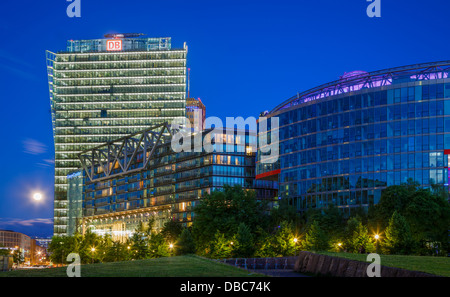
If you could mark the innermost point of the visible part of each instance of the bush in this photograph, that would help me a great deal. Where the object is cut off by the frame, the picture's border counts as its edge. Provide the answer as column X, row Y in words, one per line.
column 315, row 238
column 279, row 244
column 244, row 246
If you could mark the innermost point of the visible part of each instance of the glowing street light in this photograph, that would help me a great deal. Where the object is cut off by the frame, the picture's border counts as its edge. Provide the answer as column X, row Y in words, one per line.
column 93, row 250
column 295, row 240
column 376, row 243
column 171, row 246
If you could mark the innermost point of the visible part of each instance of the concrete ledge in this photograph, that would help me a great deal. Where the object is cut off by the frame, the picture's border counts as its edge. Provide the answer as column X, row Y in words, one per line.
column 308, row 262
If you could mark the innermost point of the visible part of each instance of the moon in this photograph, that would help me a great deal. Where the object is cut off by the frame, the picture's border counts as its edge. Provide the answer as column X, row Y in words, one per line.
column 37, row 196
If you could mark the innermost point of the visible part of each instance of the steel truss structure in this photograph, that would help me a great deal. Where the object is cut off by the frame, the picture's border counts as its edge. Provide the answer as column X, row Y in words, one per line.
column 135, row 148
column 358, row 80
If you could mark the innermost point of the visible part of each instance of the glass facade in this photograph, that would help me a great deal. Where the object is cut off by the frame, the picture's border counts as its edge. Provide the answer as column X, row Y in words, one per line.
column 98, row 95
column 346, row 148
column 169, row 186
column 75, row 199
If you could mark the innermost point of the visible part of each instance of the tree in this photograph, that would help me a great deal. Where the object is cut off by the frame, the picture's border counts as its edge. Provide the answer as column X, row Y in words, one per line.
column 105, row 244
column 331, row 220
column 426, row 211
column 185, row 243
column 116, row 252
column 222, row 247
column 279, row 244
column 358, row 239
column 393, row 198
column 398, row 239
column 222, row 211
column 4, row 252
column 139, row 248
column 83, row 245
column 283, row 212
column 18, row 257
column 244, row 246
column 428, row 215
column 59, row 248
column 158, row 246
column 171, row 230
column 315, row 238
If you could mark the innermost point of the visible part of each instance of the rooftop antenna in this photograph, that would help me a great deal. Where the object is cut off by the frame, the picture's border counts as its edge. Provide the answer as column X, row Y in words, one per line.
column 123, row 35
column 189, row 82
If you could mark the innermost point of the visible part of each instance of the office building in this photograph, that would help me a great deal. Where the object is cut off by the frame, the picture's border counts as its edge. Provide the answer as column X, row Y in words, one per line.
column 343, row 142
column 196, row 113
column 147, row 180
column 30, row 252
column 102, row 89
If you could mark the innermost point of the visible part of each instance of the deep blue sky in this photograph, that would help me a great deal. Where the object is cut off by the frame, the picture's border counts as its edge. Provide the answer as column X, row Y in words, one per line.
column 245, row 57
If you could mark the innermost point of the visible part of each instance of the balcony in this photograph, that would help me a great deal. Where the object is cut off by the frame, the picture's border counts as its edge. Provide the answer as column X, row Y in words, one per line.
column 101, row 203
column 121, row 191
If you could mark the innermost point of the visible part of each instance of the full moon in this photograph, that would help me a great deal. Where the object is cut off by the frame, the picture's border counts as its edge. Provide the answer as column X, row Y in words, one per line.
column 37, row 196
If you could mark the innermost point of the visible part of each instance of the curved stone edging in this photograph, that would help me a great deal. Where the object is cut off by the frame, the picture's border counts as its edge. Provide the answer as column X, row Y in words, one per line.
column 262, row 263
column 318, row 264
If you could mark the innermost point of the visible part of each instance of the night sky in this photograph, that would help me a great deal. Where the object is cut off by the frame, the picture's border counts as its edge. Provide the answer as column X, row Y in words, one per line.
column 245, row 57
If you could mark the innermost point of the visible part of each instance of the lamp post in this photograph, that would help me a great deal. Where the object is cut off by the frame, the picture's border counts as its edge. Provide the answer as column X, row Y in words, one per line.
column 377, row 237
column 93, row 250
column 295, row 245
column 62, row 254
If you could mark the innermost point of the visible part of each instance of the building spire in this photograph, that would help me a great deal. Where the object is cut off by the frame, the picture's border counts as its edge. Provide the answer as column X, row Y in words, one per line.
column 189, row 82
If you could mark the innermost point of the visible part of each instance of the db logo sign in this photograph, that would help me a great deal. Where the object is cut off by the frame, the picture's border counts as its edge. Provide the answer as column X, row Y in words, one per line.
column 114, row 45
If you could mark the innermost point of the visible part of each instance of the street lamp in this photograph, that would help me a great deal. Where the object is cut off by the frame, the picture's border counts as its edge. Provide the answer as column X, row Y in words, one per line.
column 93, row 250
column 295, row 240
column 171, row 248
column 377, row 237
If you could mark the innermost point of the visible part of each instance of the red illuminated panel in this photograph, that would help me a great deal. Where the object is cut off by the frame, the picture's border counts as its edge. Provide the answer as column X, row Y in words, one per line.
column 267, row 174
column 114, row 45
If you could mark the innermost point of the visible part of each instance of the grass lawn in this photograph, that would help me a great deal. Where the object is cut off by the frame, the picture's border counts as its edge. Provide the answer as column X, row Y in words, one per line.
column 181, row 266
column 434, row 265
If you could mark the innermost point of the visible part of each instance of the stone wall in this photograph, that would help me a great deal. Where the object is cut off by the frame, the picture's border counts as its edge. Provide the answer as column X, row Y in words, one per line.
column 317, row 264
column 262, row 263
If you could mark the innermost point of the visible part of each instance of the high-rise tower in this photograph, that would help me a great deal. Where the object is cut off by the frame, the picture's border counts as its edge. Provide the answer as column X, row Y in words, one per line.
column 102, row 89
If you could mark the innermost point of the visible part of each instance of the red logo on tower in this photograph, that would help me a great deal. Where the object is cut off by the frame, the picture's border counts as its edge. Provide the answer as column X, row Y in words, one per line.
column 114, row 45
